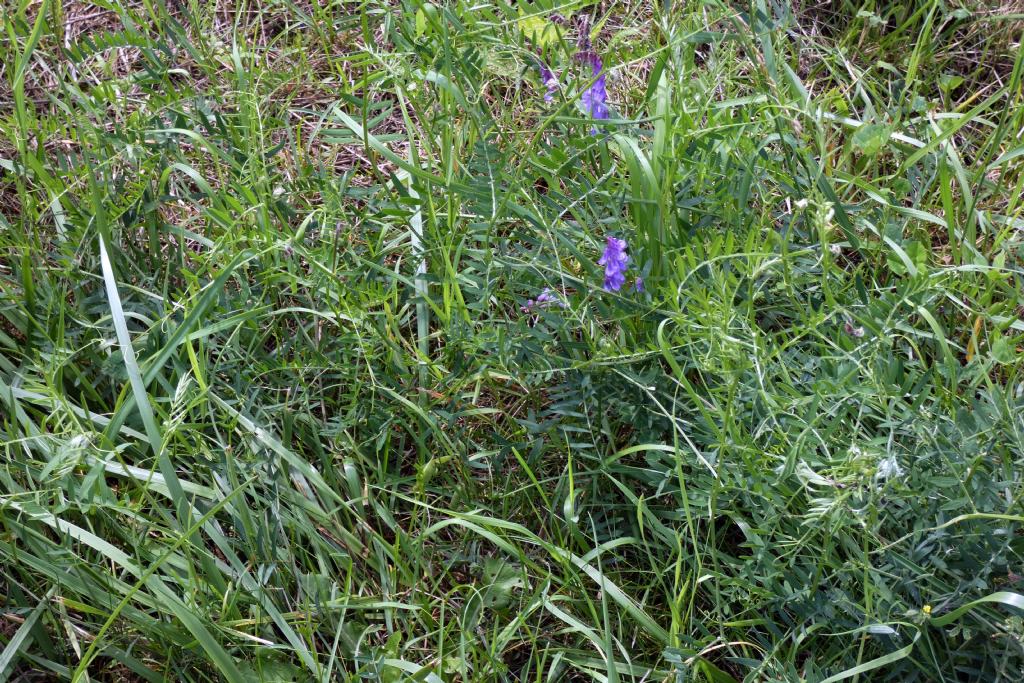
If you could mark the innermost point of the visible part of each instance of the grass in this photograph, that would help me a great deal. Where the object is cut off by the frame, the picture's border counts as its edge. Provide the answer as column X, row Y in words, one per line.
column 275, row 405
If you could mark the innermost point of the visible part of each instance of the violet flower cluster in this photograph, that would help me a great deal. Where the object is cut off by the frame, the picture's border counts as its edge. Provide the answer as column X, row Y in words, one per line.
column 550, row 82
column 615, row 260
column 595, row 98
column 545, row 299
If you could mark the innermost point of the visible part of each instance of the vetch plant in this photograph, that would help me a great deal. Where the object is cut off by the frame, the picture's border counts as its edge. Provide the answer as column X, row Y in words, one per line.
column 550, row 82
column 615, row 261
column 544, row 299
column 353, row 370
column 595, row 98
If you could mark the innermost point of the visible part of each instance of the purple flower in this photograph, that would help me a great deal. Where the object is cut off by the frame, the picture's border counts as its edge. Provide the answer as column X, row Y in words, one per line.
column 550, row 82
column 594, row 98
column 614, row 261
column 639, row 284
column 545, row 298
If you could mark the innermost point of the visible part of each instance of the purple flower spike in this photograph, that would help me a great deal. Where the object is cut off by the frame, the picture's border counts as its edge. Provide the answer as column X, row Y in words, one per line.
column 595, row 97
column 614, row 261
column 639, row 284
column 550, row 82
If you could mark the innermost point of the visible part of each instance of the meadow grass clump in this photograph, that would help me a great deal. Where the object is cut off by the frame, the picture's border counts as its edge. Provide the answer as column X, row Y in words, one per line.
column 613, row 341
